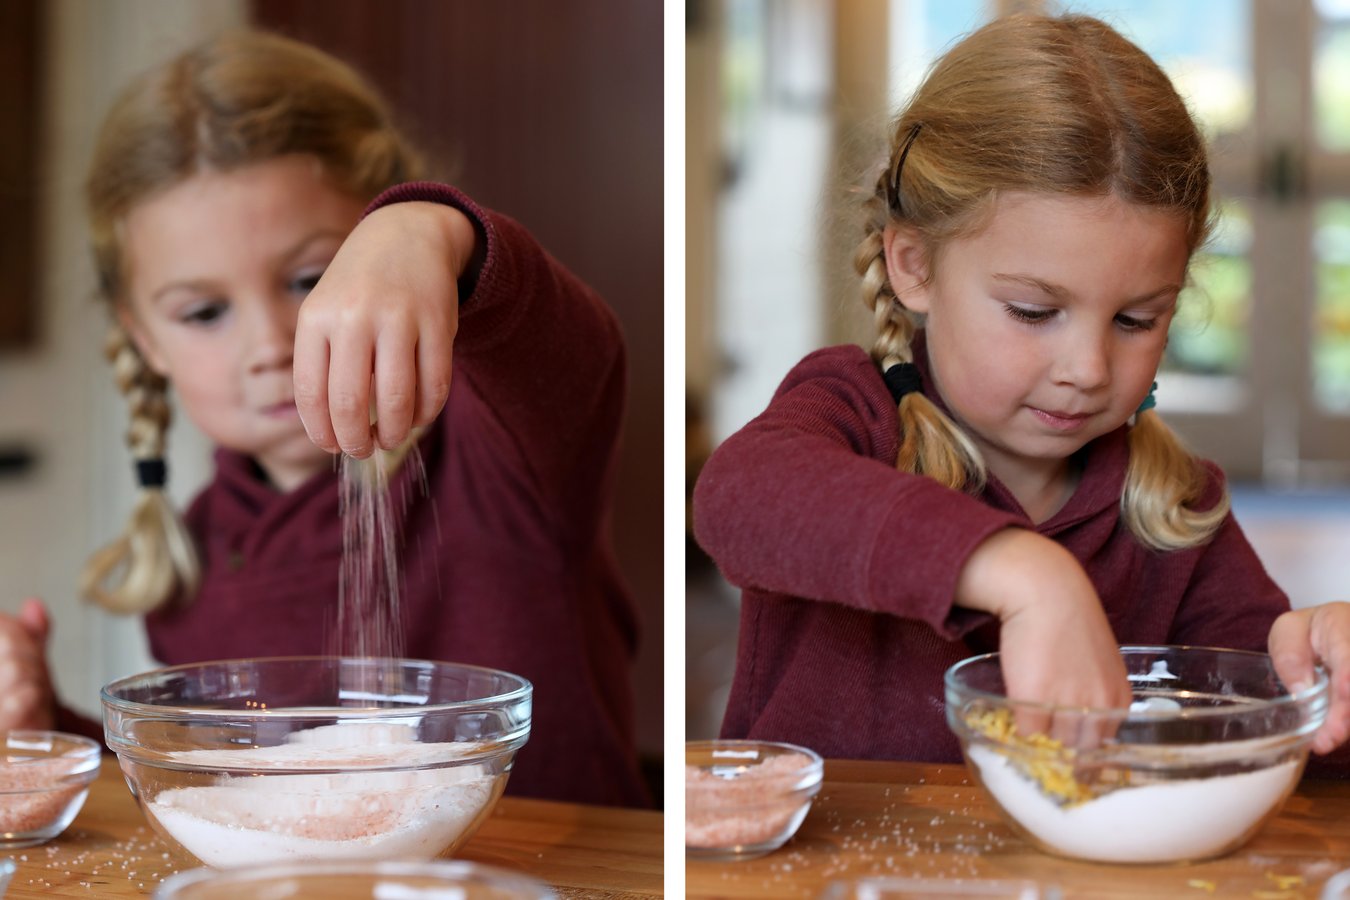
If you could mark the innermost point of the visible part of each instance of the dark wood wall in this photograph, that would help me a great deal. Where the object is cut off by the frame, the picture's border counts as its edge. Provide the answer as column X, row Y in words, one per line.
column 552, row 113
column 20, row 88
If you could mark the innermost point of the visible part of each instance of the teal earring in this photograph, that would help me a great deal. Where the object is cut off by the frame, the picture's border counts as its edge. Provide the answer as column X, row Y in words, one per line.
column 1150, row 401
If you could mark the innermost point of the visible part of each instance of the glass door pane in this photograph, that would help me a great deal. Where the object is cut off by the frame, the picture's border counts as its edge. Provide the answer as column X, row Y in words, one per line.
column 1331, row 317
column 1331, row 74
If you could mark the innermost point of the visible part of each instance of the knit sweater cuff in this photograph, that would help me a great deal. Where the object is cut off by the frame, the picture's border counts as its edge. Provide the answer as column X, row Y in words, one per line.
column 484, row 256
column 920, row 551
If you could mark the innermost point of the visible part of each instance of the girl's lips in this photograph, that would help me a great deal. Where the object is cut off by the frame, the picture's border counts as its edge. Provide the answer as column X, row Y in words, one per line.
column 280, row 410
column 1060, row 421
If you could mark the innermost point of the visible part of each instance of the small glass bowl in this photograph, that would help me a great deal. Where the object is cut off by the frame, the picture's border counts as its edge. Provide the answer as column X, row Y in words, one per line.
column 1209, row 750
column 937, row 889
column 255, row 761
column 433, row 880
column 744, row 799
column 44, row 780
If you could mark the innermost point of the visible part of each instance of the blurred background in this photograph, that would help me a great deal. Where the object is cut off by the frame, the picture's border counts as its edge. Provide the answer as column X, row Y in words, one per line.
column 787, row 105
column 551, row 113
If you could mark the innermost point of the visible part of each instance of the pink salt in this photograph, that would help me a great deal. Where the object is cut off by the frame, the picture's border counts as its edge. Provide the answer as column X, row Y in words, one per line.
column 35, row 792
column 752, row 806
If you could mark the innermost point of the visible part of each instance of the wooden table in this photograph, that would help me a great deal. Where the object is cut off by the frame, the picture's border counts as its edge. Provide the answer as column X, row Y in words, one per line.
column 914, row 820
column 583, row 851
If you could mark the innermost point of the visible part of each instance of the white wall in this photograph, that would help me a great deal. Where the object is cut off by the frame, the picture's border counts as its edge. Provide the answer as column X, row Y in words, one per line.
column 58, row 396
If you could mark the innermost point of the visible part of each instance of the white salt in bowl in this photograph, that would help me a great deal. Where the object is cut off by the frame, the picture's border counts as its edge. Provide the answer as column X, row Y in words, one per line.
column 44, row 780
column 743, row 799
column 1209, row 750
column 434, row 880
column 256, row 761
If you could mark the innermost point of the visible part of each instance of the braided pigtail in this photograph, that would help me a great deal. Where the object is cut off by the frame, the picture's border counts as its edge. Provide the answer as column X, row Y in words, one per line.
column 153, row 561
column 1163, row 484
column 931, row 444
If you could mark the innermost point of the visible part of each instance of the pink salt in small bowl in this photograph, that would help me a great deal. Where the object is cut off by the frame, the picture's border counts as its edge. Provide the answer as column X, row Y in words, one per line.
column 44, row 779
column 744, row 799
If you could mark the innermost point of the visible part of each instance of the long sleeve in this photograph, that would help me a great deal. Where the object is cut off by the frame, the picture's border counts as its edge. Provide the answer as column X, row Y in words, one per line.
column 547, row 357
column 804, row 502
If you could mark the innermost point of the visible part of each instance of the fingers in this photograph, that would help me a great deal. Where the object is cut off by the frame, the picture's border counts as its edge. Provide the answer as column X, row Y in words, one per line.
column 349, row 380
column 1291, row 649
column 25, row 693
column 33, row 617
column 310, row 374
column 395, row 385
column 1329, row 632
column 23, row 706
column 434, row 351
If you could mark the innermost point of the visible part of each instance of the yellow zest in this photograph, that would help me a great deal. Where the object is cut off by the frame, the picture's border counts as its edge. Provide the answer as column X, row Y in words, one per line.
column 1052, row 764
column 1202, row 885
column 1285, row 882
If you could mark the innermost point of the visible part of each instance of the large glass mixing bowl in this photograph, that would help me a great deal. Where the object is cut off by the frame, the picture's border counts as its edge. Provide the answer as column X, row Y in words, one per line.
column 1209, row 750
column 254, row 761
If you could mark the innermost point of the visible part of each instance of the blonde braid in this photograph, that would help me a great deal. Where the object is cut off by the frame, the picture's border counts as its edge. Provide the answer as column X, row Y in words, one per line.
column 154, row 555
column 930, row 442
column 1163, row 483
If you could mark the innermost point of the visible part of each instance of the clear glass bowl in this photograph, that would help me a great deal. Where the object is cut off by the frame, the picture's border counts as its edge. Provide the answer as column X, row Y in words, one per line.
column 255, row 761
column 435, row 880
column 44, row 779
column 744, row 799
column 1210, row 749
column 1337, row 887
column 938, row 889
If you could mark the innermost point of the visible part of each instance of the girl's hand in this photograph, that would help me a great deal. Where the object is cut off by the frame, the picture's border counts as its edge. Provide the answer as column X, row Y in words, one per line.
column 26, row 698
column 1304, row 638
column 376, row 333
column 1056, row 645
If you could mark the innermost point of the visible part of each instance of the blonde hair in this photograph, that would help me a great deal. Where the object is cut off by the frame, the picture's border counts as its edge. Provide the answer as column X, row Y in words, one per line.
column 242, row 98
column 1057, row 105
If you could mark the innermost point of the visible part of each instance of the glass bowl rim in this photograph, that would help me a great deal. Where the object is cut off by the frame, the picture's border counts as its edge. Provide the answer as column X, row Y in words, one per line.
column 1320, row 687
column 87, row 754
column 84, row 746
column 815, row 762
column 494, row 876
column 523, row 691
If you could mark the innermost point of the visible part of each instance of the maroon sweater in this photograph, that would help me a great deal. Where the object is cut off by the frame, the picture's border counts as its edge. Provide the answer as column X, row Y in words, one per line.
column 849, row 568
column 506, row 564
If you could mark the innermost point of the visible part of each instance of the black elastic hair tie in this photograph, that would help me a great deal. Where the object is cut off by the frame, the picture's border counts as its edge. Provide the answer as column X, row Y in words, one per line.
column 902, row 379
column 151, row 473
column 900, row 167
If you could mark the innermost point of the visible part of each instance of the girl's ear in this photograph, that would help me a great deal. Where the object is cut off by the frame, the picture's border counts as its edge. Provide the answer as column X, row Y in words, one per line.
column 907, row 267
column 141, row 339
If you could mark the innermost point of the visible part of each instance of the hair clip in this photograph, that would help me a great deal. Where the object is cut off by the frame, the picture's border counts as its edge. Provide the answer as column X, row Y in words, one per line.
column 899, row 167
column 151, row 473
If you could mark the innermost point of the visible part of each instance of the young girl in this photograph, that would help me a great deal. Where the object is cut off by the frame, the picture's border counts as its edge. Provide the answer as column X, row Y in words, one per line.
column 225, row 184
column 992, row 476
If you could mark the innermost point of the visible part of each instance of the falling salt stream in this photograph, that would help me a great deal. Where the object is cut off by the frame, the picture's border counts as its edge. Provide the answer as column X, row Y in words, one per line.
column 402, row 797
column 369, row 617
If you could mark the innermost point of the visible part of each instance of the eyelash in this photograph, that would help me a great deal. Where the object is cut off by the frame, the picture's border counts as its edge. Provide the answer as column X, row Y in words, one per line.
column 1042, row 316
column 204, row 314
column 306, row 283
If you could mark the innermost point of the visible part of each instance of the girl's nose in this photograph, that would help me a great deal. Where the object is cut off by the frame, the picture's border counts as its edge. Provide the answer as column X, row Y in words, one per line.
column 271, row 336
column 1084, row 361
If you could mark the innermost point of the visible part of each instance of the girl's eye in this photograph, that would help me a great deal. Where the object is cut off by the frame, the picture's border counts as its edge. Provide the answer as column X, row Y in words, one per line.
column 1130, row 323
column 207, row 313
column 1029, row 316
column 303, row 284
